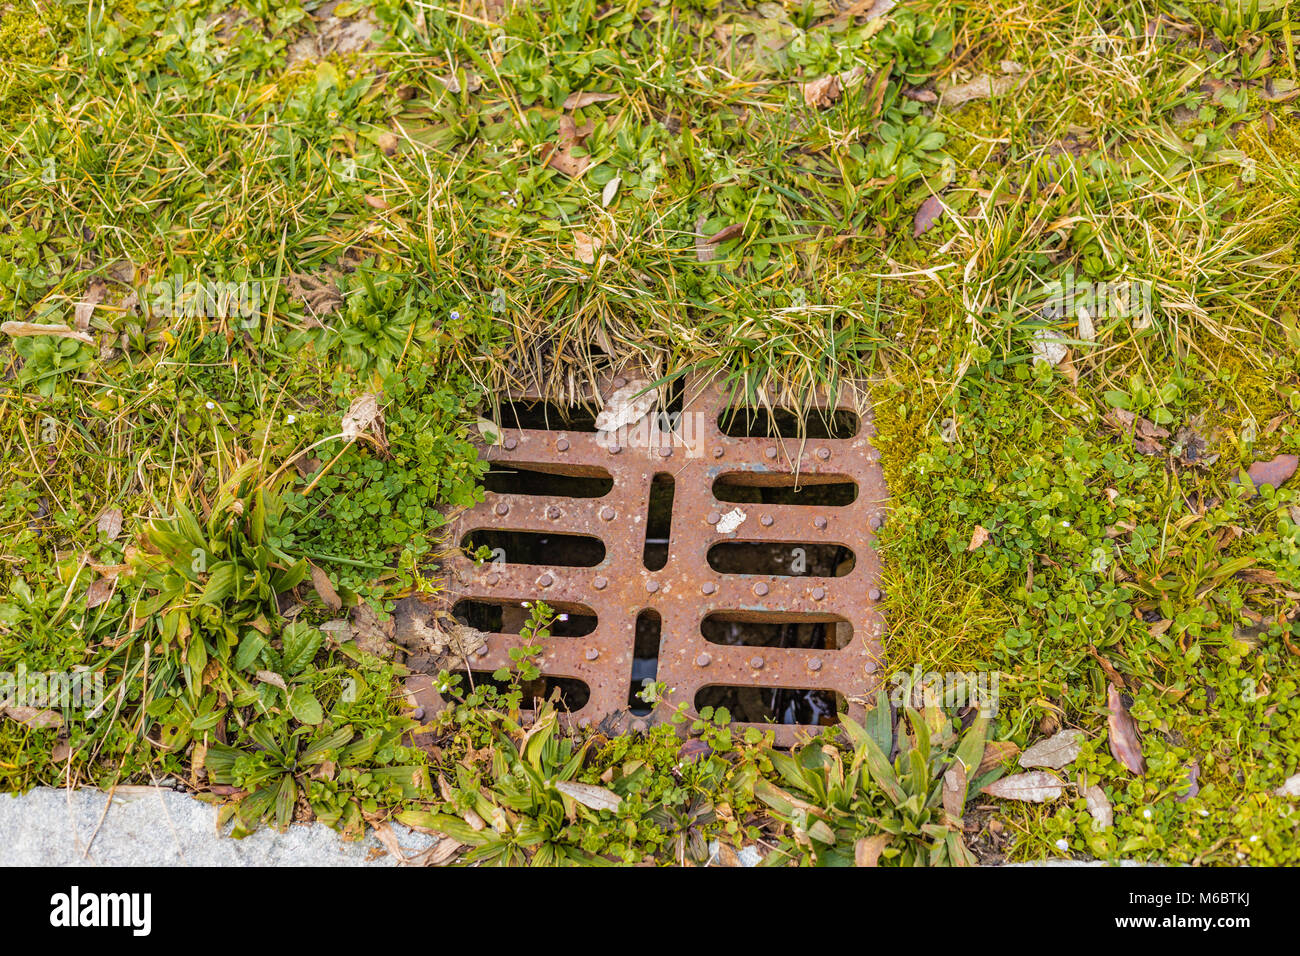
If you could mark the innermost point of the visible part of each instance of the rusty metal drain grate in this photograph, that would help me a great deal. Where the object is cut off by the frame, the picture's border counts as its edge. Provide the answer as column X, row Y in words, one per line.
column 753, row 560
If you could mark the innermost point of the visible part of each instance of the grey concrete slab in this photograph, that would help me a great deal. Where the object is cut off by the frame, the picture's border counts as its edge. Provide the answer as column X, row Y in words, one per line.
column 156, row 826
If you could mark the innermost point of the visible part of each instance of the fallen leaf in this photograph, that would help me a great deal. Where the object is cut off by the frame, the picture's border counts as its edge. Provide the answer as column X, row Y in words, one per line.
column 35, row 717
column 926, row 216
column 1037, row 786
column 1193, row 783
column 325, row 588
column 388, row 143
column 732, row 520
column 490, row 431
column 376, row 202
column 1290, row 787
column 821, row 93
column 996, row 753
column 1274, row 472
column 589, row 795
column 372, row 635
column 954, row 789
column 610, row 191
column 577, row 101
column 1048, row 347
column 17, row 329
column 451, row 83
column 1099, row 807
column 1107, row 667
column 100, row 590
column 866, row 852
column 977, row 538
column 560, row 154
column 110, row 523
column 585, row 247
column 320, row 297
column 1123, row 733
column 725, row 233
column 627, row 405
column 1055, row 752
column 364, row 418
column 86, row 307
column 982, row 87
column 271, row 677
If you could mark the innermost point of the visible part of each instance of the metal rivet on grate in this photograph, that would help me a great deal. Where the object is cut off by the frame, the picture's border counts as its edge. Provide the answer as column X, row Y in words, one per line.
column 686, row 591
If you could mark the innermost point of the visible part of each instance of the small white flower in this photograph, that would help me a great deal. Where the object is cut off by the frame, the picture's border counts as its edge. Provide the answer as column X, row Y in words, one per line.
column 1204, row 813
column 209, row 406
column 99, row 52
column 1146, row 814
column 290, row 419
column 528, row 604
column 1254, row 838
column 1063, row 844
column 563, row 617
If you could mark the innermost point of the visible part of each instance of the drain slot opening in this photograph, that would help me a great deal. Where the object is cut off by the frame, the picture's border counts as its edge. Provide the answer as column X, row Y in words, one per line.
column 773, row 705
column 749, row 629
column 530, row 547
column 659, row 522
column 645, row 659
column 548, row 415
column 829, row 491
column 506, row 617
column 749, row 422
column 536, row 479
column 574, row 694
column 793, row 559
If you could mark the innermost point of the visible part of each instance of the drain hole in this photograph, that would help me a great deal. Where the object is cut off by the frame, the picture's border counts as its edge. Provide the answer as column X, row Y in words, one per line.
column 748, row 422
column 776, row 630
column 547, row 415
column 529, row 547
column 658, row 522
column 832, row 491
column 773, row 705
column 509, row 617
column 645, row 660
column 780, row 559
column 574, row 694
column 517, row 480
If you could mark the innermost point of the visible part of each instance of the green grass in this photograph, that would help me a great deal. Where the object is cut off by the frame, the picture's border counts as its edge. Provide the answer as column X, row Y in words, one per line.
column 418, row 180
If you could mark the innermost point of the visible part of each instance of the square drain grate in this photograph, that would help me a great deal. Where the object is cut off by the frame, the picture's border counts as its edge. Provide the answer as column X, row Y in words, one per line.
column 692, row 549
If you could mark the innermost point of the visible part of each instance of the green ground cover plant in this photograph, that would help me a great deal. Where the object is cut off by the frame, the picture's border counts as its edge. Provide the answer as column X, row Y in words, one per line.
column 263, row 269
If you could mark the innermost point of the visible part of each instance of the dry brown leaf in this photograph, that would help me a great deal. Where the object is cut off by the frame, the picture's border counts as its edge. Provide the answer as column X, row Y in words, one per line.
column 627, row 406
column 926, row 216
column 585, row 247
column 821, row 93
column 977, row 538
column 982, row 87
column 589, row 795
column 560, row 154
column 1099, row 807
column 954, row 789
column 1036, row 786
column 110, row 524
column 996, row 753
column 364, row 418
column 35, row 717
column 1274, row 472
column 325, row 588
column 1055, row 752
column 272, row 678
column 85, row 309
column 388, row 143
column 376, row 202
column 100, row 590
column 866, row 852
column 320, row 297
column 1123, row 733
column 577, row 101
column 372, row 635
column 18, row 329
